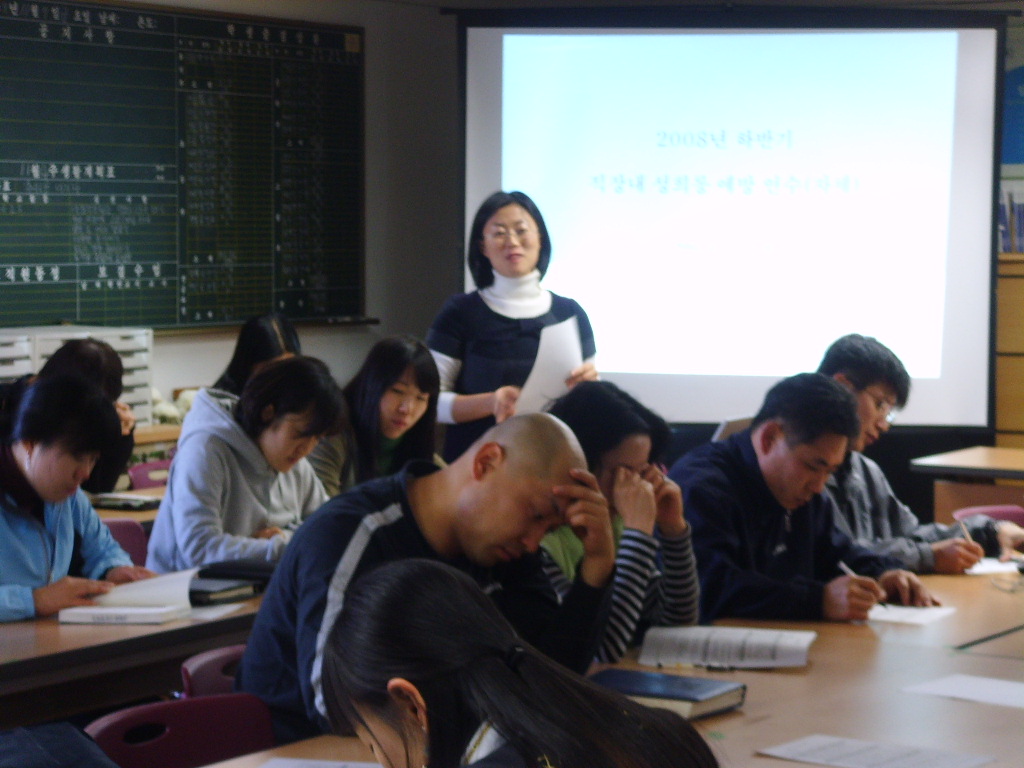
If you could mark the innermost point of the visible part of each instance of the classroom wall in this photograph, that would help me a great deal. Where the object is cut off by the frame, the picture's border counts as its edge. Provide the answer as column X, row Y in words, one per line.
column 413, row 184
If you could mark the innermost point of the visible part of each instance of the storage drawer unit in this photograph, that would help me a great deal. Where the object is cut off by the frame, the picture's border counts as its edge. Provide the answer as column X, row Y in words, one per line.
column 25, row 350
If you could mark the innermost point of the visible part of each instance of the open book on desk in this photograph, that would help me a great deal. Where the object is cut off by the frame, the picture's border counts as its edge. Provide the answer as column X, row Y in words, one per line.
column 148, row 601
column 726, row 647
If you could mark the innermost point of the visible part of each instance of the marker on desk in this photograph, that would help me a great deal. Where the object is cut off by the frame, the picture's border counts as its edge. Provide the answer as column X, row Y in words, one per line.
column 849, row 572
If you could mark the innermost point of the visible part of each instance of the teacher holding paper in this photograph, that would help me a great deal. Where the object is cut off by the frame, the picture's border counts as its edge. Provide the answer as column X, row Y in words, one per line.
column 485, row 342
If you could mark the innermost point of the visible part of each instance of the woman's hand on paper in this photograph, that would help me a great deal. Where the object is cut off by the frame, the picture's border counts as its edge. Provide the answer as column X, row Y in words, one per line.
column 66, row 593
column 505, row 403
column 585, row 372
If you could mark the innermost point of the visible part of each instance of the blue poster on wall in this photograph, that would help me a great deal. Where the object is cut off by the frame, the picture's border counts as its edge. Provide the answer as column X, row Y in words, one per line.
column 1013, row 117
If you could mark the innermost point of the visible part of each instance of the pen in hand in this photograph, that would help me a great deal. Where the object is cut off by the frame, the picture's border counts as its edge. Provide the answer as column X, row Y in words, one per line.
column 850, row 572
column 967, row 534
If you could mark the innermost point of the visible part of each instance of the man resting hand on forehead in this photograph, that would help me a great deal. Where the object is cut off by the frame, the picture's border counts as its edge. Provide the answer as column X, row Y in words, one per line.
column 485, row 513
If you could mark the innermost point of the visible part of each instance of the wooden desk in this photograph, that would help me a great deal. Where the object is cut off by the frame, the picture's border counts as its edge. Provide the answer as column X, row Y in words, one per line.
column 977, row 462
column 853, row 684
column 851, row 688
column 854, row 689
column 1009, row 645
column 968, row 478
column 144, row 516
column 157, row 433
column 51, row 671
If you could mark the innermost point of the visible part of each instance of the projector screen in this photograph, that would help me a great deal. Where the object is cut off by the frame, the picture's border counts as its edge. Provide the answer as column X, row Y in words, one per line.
column 726, row 203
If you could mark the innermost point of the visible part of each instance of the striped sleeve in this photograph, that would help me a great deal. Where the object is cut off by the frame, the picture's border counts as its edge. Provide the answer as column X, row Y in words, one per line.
column 675, row 600
column 635, row 570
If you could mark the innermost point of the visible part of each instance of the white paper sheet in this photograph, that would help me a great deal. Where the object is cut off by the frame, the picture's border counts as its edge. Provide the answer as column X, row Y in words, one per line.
column 169, row 589
column 987, row 690
column 854, row 753
column 907, row 614
column 558, row 355
column 989, row 565
column 726, row 647
column 298, row 762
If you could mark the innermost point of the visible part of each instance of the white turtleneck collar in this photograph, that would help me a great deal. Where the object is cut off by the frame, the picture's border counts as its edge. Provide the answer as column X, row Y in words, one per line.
column 517, row 297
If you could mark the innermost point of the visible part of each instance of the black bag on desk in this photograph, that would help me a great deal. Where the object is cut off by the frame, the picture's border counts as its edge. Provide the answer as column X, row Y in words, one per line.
column 56, row 745
column 250, row 569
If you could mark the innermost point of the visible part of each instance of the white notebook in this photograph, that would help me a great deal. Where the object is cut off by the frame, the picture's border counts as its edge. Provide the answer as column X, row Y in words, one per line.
column 149, row 601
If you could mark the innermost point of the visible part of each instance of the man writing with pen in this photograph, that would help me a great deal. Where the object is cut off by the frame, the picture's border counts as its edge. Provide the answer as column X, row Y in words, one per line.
column 868, row 510
column 763, row 529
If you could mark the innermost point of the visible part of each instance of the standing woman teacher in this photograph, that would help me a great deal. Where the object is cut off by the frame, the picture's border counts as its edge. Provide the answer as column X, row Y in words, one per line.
column 485, row 342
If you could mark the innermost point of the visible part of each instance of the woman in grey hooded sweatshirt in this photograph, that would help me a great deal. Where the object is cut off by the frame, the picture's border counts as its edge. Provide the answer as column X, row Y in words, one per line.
column 239, row 484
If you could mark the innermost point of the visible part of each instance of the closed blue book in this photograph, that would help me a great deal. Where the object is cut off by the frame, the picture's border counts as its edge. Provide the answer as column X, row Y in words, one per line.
column 691, row 697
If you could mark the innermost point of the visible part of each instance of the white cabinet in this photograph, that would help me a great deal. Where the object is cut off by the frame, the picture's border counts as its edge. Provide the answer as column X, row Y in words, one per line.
column 24, row 350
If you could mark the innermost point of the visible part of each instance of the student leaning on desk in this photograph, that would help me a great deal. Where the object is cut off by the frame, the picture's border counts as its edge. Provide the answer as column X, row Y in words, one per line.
column 457, row 686
column 867, row 508
column 485, row 513
column 763, row 528
column 54, row 550
column 239, row 485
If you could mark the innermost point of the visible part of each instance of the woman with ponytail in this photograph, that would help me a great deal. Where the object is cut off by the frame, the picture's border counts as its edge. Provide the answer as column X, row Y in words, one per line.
column 428, row 672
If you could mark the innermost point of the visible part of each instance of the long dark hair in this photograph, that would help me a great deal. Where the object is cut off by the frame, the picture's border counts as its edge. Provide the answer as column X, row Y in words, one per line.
column 601, row 415
column 66, row 410
column 261, row 339
column 384, row 365
column 293, row 385
column 470, row 667
column 479, row 266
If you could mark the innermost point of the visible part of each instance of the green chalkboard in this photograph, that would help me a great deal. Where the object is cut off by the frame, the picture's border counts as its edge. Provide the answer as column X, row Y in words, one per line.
column 174, row 170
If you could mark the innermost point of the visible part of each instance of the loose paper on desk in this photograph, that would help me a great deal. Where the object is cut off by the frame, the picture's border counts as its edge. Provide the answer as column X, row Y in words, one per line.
column 987, row 690
column 298, row 762
column 908, row 614
column 728, row 647
column 854, row 753
column 989, row 565
column 558, row 355
column 146, row 601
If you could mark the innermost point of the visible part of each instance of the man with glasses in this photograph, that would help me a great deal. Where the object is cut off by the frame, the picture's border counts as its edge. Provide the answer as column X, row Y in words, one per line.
column 763, row 529
column 869, row 511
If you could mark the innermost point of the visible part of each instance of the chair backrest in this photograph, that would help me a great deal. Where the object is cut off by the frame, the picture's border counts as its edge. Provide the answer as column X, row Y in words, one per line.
column 149, row 474
column 211, row 672
column 185, row 733
column 131, row 536
column 731, row 427
column 1012, row 512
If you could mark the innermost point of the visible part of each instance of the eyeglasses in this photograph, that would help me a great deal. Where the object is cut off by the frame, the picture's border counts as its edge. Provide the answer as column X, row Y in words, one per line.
column 885, row 408
column 503, row 236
